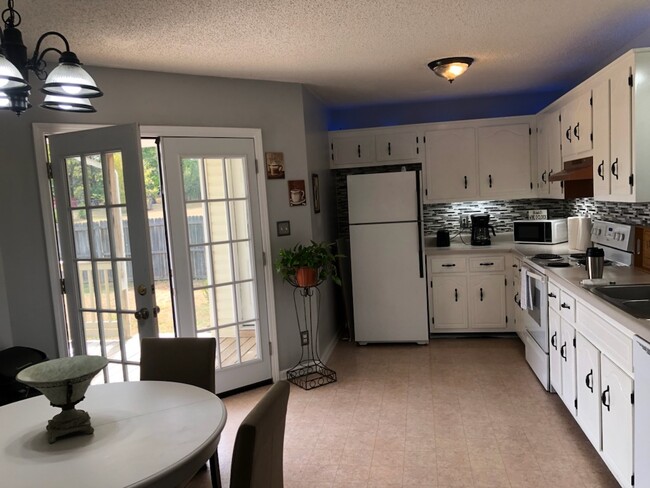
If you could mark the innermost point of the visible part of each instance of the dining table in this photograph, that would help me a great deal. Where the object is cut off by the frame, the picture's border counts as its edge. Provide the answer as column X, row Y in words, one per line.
column 146, row 434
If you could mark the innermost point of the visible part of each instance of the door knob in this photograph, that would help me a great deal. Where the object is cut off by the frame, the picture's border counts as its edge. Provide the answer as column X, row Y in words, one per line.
column 142, row 314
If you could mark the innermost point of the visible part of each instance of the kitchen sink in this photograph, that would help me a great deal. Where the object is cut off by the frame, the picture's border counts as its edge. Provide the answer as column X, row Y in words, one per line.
column 633, row 299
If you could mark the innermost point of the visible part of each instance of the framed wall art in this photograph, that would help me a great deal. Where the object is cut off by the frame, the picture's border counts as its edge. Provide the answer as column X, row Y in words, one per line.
column 297, row 195
column 315, row 192
column 274, row 162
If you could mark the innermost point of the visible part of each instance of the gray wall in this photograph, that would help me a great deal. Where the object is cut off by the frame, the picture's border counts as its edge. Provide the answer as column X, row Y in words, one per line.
column 149, row 99
column 6, row 339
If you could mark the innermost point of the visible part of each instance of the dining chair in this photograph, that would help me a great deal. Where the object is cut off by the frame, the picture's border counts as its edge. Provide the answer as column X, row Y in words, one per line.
column 257, row 454
column 188, row 360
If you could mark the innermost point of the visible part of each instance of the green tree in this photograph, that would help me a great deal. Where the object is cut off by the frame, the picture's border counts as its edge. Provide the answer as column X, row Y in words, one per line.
column 151, row 172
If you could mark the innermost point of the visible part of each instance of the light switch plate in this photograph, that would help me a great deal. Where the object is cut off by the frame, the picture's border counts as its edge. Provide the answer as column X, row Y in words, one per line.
column 284, row 228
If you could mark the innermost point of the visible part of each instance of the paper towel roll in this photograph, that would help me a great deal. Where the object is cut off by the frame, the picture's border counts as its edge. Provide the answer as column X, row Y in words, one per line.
column 579, row 230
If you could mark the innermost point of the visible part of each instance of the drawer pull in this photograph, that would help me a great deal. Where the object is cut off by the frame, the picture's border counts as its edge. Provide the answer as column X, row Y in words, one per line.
column 481, row 294
column 554, row 340
column 552, row 295
column 487, row 264
column 562, row 351
column 456, row 294
column 604, row 398
column 590, row 384
column 564, row 305
column 448, row 265
column 465, row 178
column 544, row 177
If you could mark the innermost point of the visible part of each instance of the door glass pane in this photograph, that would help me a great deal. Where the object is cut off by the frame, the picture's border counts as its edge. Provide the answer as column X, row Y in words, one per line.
column 243, row 262
column 228, row 349
column 75, row 182
column 225, row 302
column 204, row 308
column 236, row 171
column 95, row 179
column 239, row 219
column 91, row 331
column 221, row 263
column 218, row 222
column 120, row 232
column 191, row 179
column 214, row 179
column 196, row 228
column 199, row 259
column 86, row 284
column 80, row 230
column 115, row 178
column 105, row 282
column 99, row 236
column 111, row 335
column 248, row 342
column 124, row 284
column 246, row 302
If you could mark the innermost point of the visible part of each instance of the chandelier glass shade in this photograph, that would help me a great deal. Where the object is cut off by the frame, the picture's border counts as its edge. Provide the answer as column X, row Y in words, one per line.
column 450, row 68
column 68, row 87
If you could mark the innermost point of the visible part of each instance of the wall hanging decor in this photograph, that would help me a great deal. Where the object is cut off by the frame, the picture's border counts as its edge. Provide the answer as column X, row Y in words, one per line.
column 274, row 162
column 297, row 195
column 315, row 192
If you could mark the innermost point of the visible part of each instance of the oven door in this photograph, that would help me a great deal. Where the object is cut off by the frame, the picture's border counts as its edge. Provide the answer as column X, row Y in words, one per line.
column 536, row 315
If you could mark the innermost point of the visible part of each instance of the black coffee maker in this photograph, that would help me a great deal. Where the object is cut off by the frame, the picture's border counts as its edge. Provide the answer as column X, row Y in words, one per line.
column 481, row 229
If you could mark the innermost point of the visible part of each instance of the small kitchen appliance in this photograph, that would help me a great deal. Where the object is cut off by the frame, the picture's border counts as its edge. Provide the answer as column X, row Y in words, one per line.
column 552, row 231
column 442, row 238
column 481, row 230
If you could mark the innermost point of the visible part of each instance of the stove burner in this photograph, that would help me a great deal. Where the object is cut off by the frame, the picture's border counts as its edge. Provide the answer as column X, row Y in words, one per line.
column 558, row 264
column 547, row 256
column 580, row 255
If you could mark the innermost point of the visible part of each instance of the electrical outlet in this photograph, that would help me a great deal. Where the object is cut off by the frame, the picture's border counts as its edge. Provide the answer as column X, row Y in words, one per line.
column 464, row 221
column 304, row 338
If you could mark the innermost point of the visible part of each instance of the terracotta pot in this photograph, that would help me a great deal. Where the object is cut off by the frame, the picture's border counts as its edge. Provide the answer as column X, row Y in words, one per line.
column 306, row 277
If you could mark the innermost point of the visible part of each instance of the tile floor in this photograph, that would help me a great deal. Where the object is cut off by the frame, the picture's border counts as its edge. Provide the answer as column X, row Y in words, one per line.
column 455, row 413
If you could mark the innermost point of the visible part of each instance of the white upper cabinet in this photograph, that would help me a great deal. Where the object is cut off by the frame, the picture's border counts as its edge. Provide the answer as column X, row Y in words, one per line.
column 451, row 163
column 549, row 155
column 352, row 149
column 504, row 161
column 398, row 146
column 576, row 126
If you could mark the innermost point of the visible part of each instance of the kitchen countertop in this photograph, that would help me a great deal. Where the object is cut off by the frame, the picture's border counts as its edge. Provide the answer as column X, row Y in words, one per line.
column 569, row 278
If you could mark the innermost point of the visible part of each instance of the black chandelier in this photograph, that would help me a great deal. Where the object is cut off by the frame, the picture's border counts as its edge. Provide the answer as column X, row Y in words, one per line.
column 68, row 87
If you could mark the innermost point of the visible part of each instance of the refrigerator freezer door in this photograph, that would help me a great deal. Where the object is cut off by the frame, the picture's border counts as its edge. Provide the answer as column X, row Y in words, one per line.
column 383, row 197
column 390, row 297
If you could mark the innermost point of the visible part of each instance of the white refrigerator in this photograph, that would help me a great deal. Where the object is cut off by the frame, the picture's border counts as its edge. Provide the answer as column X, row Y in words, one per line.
column 387, row 258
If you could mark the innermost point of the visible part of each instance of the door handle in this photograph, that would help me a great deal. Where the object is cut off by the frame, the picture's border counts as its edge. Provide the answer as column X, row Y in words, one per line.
column 487, row 264
column 562, row 351
column 359, row 150
column 590, row 384
column 156, row 311
column 481, row 294
column 576, row 131
column 490, row 180
column 544, row 176
column 456, row 294
column 143, row 313
column 448, row 265
column 389, row 148
column 614, row 168
column 567, row 134
column 564, row 305
column 554, row 340
column 465, row 177
column 604, row 398
column 552, row 295
column 600, row 169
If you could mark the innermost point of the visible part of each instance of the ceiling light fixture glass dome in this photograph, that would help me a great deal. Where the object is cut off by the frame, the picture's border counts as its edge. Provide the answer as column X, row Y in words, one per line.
column 70, row 79
column 10, row 77
column 68, row 104
column 450, row 68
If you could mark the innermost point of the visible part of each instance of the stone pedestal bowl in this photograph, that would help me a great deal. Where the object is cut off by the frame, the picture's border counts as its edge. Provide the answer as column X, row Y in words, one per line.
column 64, row 382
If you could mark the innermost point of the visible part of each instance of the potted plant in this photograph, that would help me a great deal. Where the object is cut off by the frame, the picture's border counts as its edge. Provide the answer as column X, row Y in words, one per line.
column 306, row 266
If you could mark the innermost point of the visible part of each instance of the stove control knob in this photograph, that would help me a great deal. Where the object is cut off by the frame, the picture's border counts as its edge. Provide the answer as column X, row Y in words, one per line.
column 621, row 236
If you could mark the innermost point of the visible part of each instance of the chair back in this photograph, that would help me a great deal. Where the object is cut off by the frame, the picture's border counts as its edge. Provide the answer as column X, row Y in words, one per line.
column 257, row 455
column 188, row 360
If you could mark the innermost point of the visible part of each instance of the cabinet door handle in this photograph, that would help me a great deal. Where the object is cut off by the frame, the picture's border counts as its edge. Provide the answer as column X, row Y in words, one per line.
column 614, row 168
column 562, row 351
column 552, row 295
column 550, row 173
column 456, row 294
column 487, row 264
column 604, row 398
column 600, row 170
column 389, row 148
column 490, row 180
column 465, row 177
column 481, row 294
column 567, row 134
column 359, row 150
column 564, row 305
column 544, row 177
column 554, row 340
column 576, row 131
column 448, row 265
column 590, row 384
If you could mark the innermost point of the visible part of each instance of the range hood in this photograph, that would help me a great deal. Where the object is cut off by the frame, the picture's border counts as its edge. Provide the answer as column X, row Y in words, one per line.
column 577, row 178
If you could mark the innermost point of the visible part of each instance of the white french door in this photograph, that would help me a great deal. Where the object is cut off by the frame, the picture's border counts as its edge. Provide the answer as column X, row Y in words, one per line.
column 104, row 244
column 216, row 247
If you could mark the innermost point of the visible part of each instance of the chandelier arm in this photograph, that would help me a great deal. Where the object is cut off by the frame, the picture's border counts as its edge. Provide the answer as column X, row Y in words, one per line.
column 35, row 56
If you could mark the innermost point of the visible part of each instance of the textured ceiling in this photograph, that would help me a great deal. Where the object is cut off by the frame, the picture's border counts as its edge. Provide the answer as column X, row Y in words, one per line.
column 350, row 51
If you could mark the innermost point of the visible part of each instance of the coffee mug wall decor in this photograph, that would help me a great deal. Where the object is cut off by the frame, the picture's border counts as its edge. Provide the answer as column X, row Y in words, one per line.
column 297, row 195
column 274, row 162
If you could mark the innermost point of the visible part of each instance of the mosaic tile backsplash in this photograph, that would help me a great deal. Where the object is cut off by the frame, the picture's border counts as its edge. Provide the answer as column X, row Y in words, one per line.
column 502, row 212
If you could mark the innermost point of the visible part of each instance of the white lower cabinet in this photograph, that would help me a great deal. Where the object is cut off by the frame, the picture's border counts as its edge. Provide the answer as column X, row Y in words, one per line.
column 466, row 296
column 588, row 389
column 562, row 359
column 450, row 302
column 617, row 420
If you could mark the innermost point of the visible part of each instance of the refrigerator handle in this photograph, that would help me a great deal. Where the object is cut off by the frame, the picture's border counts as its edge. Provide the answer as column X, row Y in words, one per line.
column 419, row 205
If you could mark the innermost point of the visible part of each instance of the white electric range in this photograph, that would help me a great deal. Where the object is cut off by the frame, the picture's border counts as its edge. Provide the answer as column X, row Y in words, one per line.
column 617, row 240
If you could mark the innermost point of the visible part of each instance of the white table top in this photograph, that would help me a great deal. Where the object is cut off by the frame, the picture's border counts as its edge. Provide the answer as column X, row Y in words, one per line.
column 148, row 433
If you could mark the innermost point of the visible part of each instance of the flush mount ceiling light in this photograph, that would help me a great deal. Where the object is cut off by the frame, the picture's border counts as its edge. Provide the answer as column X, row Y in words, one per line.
column 68, row 87
column 450, row 68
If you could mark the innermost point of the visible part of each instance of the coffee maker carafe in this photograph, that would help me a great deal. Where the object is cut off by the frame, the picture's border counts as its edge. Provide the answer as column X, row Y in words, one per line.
column 481, row 230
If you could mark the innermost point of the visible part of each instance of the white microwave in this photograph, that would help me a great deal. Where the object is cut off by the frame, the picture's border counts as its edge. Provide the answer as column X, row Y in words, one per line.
column 551, row 231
